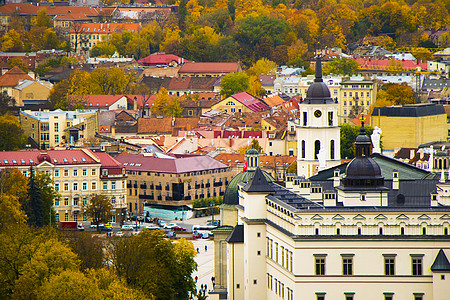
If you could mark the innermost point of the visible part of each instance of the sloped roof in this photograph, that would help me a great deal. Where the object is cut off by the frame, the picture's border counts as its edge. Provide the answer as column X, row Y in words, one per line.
column 194, row 163
column 13, row 77
column 164, row 125
column 99, row 101
column 258, row 184
column 273, row 100
column 209, row 67
column 267, row 79
column 105, row 28
column 441, row 263
column 265, row 161
column 250, row 101
column 237, row 235
column 389, row 64
column 161, row 59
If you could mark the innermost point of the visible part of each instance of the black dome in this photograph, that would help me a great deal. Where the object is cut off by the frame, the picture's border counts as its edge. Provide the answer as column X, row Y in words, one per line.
column 363, row 167
column 318, row 92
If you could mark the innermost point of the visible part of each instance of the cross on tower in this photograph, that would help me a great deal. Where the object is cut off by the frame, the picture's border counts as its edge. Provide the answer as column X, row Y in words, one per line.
column 362, row 119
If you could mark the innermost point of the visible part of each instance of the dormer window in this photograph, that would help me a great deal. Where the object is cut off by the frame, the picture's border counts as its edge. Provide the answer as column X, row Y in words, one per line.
column 105, row 172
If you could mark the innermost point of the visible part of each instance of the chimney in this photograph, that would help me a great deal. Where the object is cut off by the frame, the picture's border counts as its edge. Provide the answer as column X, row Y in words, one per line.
column 135, row 106
column 395, row 183
column 412, row 153
column 113, row 131
column 336, row 179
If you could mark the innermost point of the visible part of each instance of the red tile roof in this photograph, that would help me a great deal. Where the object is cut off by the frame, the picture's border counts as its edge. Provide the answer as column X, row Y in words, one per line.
column 251, row 102
column 265, row 161
column 105, row 28
column 209, row 67
column 98, row 101
column 388, row 64
column 164, row 125
column 273, row 100
column 55, row 157
column 161, row 59
column 194, row 163
column 13, row 76
column 141, row 99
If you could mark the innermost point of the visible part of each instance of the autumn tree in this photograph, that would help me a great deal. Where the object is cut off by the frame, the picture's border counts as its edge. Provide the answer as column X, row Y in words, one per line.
column 48, row 194
column 166, row 105
column 394, row 94
column 262, row 67
column 99, row 209
column 341, row 66
column 13, row 192
column 348, row 137
column 234, row 83
column 12, row 41
column 154, row 264
column 11, row 133
column 254, row 145
column 6, row 102
column 17, row 61
column 110, row 81
column 89, row 249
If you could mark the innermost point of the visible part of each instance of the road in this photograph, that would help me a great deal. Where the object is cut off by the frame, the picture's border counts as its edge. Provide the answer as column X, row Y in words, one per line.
column 205, row 262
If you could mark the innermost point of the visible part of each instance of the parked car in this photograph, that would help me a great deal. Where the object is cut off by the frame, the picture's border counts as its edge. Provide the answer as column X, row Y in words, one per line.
column 109, row 225
column 99, row 225
column 178, row 228
column 161, row 223
column 171, row 234
column 119, row 233
column 196, row 235
column 105, row 229
column 127, row 227
column 170, row 225
column 151, row 227
column 213, row 222
column 80, row 227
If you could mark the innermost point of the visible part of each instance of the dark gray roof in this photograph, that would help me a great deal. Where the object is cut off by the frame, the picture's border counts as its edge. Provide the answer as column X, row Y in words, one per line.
column 237, row 235
column 441, row 263
column 231, row 196
column 318, row 92
column 290, row 198
column 435, row 83
column 258, row 183
column 410, row 110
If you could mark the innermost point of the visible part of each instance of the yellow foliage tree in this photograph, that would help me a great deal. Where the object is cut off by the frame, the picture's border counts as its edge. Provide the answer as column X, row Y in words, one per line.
column 11, row 39
column 171, row 34
column 262, row 66
column 297, row 50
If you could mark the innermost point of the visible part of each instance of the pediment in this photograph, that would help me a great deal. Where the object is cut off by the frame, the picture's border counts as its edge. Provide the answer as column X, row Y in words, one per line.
column 424, row 217
column 402, row 217
column 338, row 217
column 445, row 217
column 317, row 217
column 381, row 217
column 359, row 217
column 44, row 164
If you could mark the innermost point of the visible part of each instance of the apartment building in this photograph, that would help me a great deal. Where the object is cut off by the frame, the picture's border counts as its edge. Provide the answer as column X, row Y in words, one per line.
column 53, row 128
column 77, row 174
column 84, row 36
column 172, row 181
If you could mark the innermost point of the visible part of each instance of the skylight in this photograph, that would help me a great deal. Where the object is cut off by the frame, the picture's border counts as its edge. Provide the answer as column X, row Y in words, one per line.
column 22, row 161
column 138, row 165
column 83, row 159
column 31, row 161
column 125, row 164
column 55, row 160
column 74, row 159
column 14, row 161
column 5, row 161
column 65, row 160
column 131, row 164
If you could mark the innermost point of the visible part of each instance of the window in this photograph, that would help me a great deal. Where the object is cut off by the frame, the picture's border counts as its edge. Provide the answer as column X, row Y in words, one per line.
column 66, row 217
column 76, row 201
column 66, row 201
column 66, row 186
column 57, row 186
column 347, row 265
column 416, row 264
column 303, row 148
column 389, row 265
column 56, row 127
column 418, row 296
column 332, row 149
column 66, row 173
column 388, row 296
column 105, row 185
column 84, row 186
column 320, row 296
column 75, row 172
column 305, row 118
column 94, row 186
column 349, row 296
column 84, row 172
column 94, row 172
column 56, row 173
column 113, row 185
column 319, row 264
column 229, row 103
column 56, row 138
column 75, row 186
column 330, row 118
column 276, row 251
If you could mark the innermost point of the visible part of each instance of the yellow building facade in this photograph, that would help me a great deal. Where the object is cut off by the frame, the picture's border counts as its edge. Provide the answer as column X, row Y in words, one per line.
column 409, row 126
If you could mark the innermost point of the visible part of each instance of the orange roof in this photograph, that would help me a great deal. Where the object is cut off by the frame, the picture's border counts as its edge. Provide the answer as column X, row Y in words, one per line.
column 389, row 64
column 29, row 9
column 265, row 161
column 357, row 120
column 13, row 76
column 273, row 100
column 105, row 28
column 209, row 67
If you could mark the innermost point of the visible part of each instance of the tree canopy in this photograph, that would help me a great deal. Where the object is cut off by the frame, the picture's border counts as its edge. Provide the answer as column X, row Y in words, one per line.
column 99, row 209
column 234, row 83
column 11, row 133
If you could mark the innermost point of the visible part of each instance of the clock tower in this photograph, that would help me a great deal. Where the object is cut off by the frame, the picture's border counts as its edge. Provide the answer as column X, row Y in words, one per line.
column 318, row 133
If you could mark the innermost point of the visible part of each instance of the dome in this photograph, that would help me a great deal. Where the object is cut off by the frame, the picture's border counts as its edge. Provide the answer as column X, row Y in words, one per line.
column 231, row 193
column 43, row 156
column 252, row 151
column 363, row 167
column 318, row 92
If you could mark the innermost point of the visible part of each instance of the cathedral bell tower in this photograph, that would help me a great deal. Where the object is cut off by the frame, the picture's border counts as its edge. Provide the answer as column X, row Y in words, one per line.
column 318, row 133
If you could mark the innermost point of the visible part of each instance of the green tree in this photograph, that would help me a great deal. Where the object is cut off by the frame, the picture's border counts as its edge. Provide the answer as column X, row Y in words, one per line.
column 341, row 66
column 103, row 48
column 182, row 14
column 48, row 194
column 34, row 207
column 348, row 137
column 155, row 265
column 11, row 133
column 99, row 209
column 233, row 83
column 110, row 81
column 6, row 101
column 17, row 61
column 42, row 19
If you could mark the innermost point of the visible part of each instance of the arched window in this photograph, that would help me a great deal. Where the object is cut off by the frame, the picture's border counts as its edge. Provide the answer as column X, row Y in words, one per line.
column 303, row 148
column 316, row 148
column 332, row 149
column 230, row 103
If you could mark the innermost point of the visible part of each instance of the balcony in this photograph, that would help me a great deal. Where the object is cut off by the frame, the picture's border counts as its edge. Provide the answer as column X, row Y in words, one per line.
column 158, row 187
column 167, row 188
column 129, row 185
column 76, row 208
column 218, row 183
column 197, row 186
column 208, row 185
column 143, row 186
column 135, row 185
column 147, row 197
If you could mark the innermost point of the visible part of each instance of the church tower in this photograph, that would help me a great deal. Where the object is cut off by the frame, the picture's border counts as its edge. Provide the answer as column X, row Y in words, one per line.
column 318, row 133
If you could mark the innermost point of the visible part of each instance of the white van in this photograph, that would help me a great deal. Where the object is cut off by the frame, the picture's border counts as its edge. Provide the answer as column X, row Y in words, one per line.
column 204, row 230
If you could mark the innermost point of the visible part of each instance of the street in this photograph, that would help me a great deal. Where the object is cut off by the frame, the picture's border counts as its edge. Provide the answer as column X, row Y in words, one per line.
column 205, row 261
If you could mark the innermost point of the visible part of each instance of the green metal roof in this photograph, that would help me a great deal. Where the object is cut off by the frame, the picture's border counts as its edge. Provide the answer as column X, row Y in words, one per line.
column 231, row 196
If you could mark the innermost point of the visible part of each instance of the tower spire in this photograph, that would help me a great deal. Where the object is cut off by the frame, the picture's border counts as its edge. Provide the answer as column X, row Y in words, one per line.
column 318, row 69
